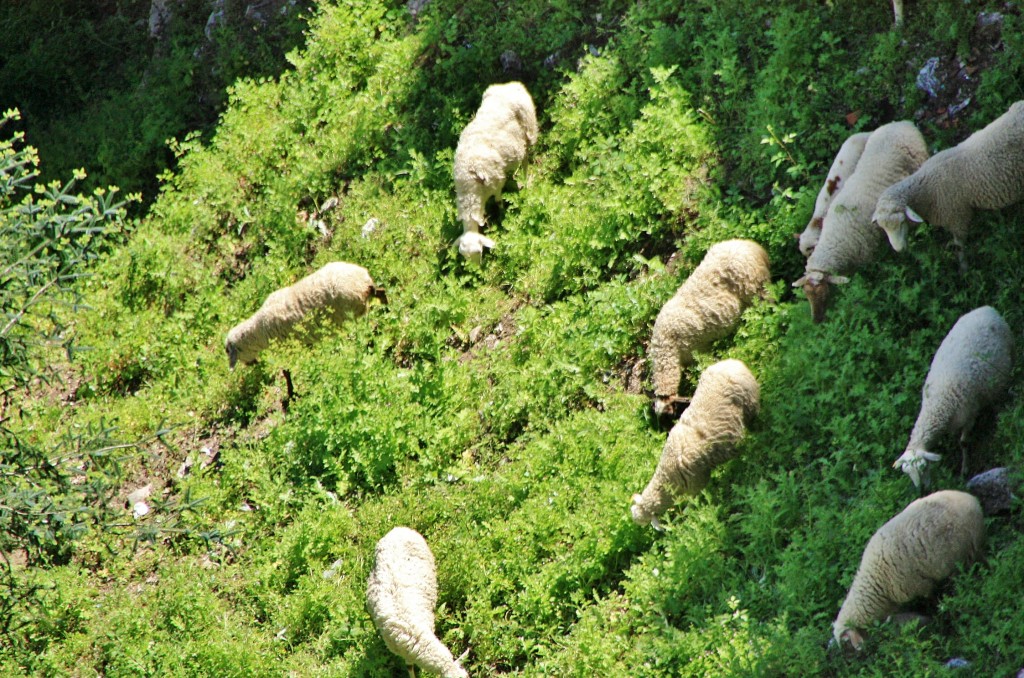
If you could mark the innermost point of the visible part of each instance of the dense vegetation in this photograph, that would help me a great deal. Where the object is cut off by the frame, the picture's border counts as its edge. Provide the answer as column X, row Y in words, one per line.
column 502, row 411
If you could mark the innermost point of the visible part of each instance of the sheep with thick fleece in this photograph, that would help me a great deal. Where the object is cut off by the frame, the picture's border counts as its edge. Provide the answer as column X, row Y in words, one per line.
column 727, row 398
column 491, row 147
column 339, row 289
column 704, row 309
column 842, row 168
column 907, row 556
column 848, row 240
column 401, row 595
column 985, row 171
column 970, row 370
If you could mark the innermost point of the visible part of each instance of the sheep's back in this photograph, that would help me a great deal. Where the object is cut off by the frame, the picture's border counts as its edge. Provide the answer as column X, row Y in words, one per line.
column 341, row 289
column 726, row 398
column 991, row 162
column 976, row 354
column 924, row 543
column 401, row 591
column 848, row 238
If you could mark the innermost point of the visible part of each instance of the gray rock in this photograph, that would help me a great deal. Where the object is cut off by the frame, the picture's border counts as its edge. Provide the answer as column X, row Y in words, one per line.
column 510, row 62
column 994, row 489
column 927, row 80
column 958, row 663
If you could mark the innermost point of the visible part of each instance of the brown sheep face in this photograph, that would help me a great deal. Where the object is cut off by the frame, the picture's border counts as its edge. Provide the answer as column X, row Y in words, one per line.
column 818, row 288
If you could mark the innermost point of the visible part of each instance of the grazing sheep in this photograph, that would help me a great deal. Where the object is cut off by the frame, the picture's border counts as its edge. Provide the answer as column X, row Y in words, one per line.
column 401, row 595
column 842, row 168
column 848, row 240
column 970, row 370
column 907, row 556
column 472, row 244
column 726, row 400
column 340, row 290
column 491, row 147
column 704, row 309
column 985, row 171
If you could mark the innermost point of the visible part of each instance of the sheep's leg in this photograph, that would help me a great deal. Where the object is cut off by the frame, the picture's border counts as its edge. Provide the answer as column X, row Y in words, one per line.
column 960, row 256
column 963, row 454
column 412, row 670
column 289, row 390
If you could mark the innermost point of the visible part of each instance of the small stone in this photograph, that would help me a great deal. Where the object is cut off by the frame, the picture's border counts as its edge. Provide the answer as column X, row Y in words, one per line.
column 139, row 495
column 332, row 571
column 370, row 226
column 329, row 204
column 957, row 663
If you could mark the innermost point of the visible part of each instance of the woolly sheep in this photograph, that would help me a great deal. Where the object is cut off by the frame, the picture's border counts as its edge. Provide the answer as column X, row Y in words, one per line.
column 339, row 289
column 401, row 595
column 848, row 240
column 907, row 556
column 970, row 370
column 842, row 167
column 726, row 400
column 704, row 309
column 986, row 171
column 491, row 147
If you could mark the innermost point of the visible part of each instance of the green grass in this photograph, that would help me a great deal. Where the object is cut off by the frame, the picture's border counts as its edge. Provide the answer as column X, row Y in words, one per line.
column 492, row 409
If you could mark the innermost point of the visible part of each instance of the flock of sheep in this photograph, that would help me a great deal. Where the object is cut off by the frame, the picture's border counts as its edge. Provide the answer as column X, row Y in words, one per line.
column 878, row 183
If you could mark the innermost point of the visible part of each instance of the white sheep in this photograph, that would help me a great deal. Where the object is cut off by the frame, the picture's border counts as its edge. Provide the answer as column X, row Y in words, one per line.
column 726, row 400
column 985, row 171
column 843, row 166
column 848, row 240
column 907, row 556
column 339, row 290
column 970, row 370
column 401, row 594
column 491, row 147
column 705, row 308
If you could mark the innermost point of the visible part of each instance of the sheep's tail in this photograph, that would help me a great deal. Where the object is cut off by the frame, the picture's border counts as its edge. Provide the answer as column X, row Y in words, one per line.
column 379, row 294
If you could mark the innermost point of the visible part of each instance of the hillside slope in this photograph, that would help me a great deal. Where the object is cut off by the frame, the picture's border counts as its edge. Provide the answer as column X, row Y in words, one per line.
column 503, row 412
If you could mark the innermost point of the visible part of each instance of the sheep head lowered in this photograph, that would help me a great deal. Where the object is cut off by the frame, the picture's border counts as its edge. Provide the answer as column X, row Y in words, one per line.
column 817, row 285
column 894, row 218
column 472, row 244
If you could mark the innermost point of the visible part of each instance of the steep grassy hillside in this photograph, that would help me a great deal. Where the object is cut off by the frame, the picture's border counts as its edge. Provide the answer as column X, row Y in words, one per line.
column 504, row 411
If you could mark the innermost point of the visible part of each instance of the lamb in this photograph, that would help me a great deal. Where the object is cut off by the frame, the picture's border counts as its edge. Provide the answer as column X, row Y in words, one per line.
column 704, row 309
column 727, row 398
column 491, row 147
column 970, row 370
column 340, row 290
column 986, row 171
column 842, row 167
column 401, row 595
column 907, row 556
column 848, row 240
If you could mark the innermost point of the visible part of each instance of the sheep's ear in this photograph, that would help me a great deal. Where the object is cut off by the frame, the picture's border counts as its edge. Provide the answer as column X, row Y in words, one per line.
column 656, row 524
column 232, row 355
column 913, row 216
column 487, row 242
column 838, row 279
column 800, row 282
